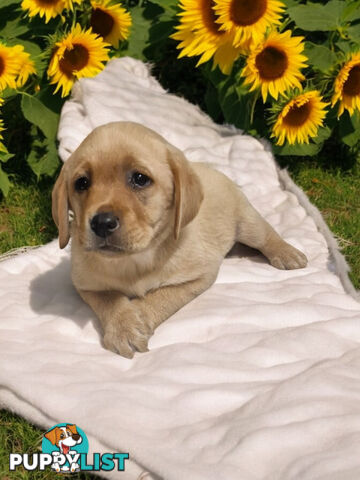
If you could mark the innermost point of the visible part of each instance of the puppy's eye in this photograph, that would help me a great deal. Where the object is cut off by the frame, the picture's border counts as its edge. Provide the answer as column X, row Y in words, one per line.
column 140, row 180
column 82, row 183
column 62, row 435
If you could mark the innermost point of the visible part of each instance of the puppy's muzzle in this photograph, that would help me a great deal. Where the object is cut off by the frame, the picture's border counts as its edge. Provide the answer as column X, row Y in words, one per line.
column 104, row 224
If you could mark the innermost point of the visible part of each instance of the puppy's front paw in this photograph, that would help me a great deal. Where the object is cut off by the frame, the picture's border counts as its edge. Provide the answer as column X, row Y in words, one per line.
column 128, row 332
column 288, row 258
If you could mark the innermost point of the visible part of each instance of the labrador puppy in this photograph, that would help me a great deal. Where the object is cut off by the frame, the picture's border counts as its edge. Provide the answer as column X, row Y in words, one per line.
column 150, row 229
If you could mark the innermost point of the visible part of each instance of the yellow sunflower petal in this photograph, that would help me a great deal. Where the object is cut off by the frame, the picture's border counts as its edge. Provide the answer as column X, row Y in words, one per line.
column 48, row 9
column 79, row 54
column 274, row 64
column 199, row 34
column 300, row 118
column 347, row 86
column 2, row 128
column 26, row 65
column 247, row 19
column 112, row 22
column 10, row 65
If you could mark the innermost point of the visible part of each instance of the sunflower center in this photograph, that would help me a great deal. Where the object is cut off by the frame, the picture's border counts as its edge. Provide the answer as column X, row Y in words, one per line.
column 352, row 85
column 247, row 12
column 74, row 60
column 271, row 63
column 101, row 22
column 297, row 116
column 47, row 3
column 2, row 66
column 210, row 17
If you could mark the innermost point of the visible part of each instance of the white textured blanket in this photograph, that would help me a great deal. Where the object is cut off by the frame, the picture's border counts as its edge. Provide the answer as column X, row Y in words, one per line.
column 258, row 378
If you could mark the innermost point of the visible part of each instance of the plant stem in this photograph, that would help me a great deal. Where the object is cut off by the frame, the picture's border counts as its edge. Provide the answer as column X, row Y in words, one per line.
column 252, row 111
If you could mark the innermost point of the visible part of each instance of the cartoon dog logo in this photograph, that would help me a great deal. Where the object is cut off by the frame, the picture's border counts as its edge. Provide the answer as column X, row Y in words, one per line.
column 64, row 438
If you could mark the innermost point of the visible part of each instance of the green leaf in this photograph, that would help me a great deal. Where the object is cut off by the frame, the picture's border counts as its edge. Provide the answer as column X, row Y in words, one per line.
column 354, row 33
column 14, row 28
column 37, row 113
column 351, row 12
column 323, row 134
column 235, row 102
column 212, row 102
column 4, row 182
column 158, row 38
column 169, row 6
column 349, row 129
column 304, row 150
column 43, row 158
column 152, row 24
column 314, row 17
column 139, row 34
column 7, row 3
column 290, row 3
column 320, row 57
column 5, row 156
column 344, row 45
column 51, row 101
column 7, row 93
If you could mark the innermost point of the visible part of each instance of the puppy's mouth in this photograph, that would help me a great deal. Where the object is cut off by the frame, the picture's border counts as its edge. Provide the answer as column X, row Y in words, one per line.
column 65, row 448
column 109, row 248
column 103, row 246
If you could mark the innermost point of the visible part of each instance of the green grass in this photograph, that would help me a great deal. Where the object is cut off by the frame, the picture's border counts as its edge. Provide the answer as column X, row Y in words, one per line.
column 25, row 216
column 336, row 194
column 19, row 436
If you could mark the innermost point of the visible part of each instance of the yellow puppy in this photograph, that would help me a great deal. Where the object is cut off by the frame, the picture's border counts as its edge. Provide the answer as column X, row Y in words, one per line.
column 150, row 229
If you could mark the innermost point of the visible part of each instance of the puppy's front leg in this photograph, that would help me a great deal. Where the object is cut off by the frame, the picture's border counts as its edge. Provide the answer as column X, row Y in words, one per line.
column 254, row 231
column 128, row 324
column 125, row 329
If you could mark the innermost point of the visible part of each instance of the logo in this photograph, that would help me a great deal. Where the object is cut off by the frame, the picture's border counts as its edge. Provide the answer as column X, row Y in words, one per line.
column 65, row 449
column 65, row 442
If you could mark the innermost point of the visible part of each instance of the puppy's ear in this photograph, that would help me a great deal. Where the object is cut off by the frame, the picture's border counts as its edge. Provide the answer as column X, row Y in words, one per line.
column 60, row 208
column 72, row 428
column 188, row 189
column 51, row 436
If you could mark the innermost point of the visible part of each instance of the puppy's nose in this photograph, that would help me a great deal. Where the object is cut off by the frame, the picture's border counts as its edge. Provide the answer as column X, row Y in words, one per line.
column 75, row 436
column 104, row 224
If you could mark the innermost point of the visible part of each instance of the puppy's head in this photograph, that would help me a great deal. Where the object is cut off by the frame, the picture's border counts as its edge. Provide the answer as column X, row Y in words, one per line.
column 67, row 436
column 127, row 188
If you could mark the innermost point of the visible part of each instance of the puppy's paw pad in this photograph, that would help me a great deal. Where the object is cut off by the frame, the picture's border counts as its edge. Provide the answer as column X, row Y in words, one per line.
column 288, row 258
column 128, row 334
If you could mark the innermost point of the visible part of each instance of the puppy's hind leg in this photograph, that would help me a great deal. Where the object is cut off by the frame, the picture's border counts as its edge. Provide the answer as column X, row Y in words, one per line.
column 253, row 230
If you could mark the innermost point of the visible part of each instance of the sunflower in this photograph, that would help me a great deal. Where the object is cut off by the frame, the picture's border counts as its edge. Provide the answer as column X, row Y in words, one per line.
column 247, row 19
column 26, row 65
column 2, row 146
column 300, row 118
column 200, row 35
column 347, row 86
column 9, row 67
column 69, row 4
column 275, row 63
column 79, row 54
column 112, row 22
column 47, row 8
